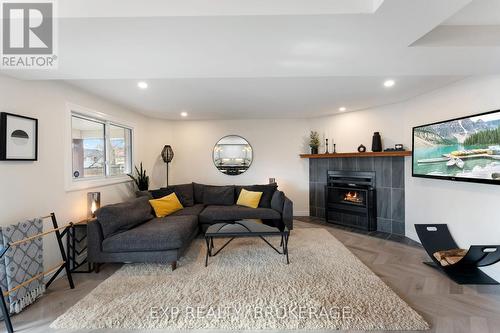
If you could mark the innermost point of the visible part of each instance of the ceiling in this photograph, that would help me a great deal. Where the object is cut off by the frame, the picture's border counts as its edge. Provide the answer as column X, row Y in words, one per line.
column 224, row 59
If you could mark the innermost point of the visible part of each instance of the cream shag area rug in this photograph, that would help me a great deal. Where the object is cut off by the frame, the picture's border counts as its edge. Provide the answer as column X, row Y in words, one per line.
column 248, row 286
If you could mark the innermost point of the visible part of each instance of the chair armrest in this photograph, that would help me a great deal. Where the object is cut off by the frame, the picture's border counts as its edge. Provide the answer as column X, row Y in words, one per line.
column 288, row 213
column 94, row 240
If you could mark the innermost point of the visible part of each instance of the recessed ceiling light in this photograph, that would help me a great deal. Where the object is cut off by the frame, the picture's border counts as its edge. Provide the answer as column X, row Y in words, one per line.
column 184, row 114
column 389, row 83
column 342, row 109
column 142, row 85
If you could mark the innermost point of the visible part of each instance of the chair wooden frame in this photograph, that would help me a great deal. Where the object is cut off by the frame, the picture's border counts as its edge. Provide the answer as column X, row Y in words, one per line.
column 63, row 265
column 437, row 237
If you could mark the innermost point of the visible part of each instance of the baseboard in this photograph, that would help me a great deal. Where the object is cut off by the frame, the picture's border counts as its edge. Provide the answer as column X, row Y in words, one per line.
column 301, row 213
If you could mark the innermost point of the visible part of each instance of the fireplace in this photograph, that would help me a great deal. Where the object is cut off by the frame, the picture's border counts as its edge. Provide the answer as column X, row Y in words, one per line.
column 351, row 199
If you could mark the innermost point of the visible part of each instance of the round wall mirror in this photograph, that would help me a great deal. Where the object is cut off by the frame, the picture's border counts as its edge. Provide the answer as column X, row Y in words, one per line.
column 232, row 155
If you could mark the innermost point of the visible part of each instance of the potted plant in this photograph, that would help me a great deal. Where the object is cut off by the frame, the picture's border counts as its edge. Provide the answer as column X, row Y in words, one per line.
column 314, row 142
column 142, row 181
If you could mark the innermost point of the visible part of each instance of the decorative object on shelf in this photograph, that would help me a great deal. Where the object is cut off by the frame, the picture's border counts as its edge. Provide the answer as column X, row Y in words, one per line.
column 326, row 147
column 361, row 149
column 93, row 203
column 376, row 142
column 397, row 147
column 314, row 142
column 167, row 154
column 334, row 148
column 272, row 180
column 142, row 180
column 232, row 155
column 18, row 138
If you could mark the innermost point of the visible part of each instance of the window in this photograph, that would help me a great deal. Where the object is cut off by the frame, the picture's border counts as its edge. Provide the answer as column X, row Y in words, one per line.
column 100, row 149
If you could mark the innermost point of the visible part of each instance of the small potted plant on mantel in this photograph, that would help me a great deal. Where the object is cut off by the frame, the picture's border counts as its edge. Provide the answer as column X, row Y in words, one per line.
column 314, row 142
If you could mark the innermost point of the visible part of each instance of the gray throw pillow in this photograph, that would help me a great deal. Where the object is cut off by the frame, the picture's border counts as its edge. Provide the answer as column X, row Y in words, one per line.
column 218, row 195
column 123, row 216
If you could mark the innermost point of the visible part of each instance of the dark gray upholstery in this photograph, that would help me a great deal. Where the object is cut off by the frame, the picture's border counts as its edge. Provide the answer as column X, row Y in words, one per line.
column 159, row 234
column 184, row 193
column 193, row 210
column 120, row 233
column 213, row 214
column 288, row 213
column 147, row 194
column 267, row 193
column 198, row 193
column 218, row 195
column 123, row 216
column 277, row 201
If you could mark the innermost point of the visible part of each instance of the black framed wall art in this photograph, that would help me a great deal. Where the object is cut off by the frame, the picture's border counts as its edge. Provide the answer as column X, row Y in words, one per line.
column 18, row 138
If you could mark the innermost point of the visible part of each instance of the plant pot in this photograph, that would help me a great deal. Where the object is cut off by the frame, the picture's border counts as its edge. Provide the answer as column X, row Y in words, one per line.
column 314, row 150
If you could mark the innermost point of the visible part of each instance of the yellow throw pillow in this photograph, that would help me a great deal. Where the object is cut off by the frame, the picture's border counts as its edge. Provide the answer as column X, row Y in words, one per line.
column 249, row 198
column 167, row 205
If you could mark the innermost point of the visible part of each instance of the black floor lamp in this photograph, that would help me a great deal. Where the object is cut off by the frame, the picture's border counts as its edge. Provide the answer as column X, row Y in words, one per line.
column 167, row 154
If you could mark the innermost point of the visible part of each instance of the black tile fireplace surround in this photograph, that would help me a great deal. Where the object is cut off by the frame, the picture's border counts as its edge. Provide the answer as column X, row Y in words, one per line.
column 350, row 199
column 389, row 187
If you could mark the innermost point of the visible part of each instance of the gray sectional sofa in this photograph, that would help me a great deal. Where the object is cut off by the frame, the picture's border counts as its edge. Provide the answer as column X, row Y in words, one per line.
column 129, row 231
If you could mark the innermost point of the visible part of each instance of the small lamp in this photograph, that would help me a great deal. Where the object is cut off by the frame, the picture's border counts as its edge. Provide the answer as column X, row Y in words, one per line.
column 93, row 203
column 167, row 154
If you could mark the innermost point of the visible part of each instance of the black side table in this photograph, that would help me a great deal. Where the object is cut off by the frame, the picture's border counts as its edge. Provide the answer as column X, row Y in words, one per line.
column 76, row 247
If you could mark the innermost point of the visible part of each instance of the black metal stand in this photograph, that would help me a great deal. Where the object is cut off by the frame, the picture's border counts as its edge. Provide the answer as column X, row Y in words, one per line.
column 72, row 251
column 437, row 237
column 65, row 266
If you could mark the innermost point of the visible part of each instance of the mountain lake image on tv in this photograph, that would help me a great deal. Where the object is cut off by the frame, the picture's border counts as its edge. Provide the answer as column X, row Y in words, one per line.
column 466, row 149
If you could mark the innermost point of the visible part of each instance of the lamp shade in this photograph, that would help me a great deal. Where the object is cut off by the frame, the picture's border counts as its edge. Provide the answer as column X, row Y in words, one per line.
column 167, row 154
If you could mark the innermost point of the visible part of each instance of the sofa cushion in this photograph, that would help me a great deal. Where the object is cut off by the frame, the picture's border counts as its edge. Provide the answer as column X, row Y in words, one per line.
column 123, row 216
column 185, row 194
column 213, row 214
column 218, row 195
column 267, row 192
column 277, row 201
column 161, row 192
column 148, row 194
column 183, row 191
column 193, row 210
column 198, row 193
column 159, row 234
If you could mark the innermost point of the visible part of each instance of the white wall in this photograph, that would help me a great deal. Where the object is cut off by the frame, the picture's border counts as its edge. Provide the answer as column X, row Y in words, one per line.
column 36, row 188
column 470, row 210
column 29, row 189
column 276, row 146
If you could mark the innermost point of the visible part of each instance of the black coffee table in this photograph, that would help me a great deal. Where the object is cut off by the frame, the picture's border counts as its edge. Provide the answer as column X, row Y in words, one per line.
column 246, row 228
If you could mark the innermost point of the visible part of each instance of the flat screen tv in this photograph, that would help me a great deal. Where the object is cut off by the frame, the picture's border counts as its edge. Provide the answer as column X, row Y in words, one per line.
column 463, row 149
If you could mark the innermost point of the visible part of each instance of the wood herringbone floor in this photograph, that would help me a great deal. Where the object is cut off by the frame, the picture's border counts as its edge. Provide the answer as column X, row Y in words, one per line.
column 448, row 307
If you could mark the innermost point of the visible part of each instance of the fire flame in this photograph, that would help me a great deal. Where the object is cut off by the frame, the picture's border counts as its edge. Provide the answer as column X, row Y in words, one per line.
column 353, row 197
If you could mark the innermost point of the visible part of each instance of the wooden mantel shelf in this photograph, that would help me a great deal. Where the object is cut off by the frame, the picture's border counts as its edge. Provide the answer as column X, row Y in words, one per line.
column 367, row 154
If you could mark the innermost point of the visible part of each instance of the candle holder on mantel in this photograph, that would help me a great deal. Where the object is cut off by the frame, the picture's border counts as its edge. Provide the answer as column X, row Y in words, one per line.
column 334, row 148
column 326, row 145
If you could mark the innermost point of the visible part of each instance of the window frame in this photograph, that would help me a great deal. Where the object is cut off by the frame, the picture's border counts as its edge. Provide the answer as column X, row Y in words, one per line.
column 75, row 184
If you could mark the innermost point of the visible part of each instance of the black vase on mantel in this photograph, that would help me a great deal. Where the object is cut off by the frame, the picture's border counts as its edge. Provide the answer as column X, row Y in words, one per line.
column 376, row 142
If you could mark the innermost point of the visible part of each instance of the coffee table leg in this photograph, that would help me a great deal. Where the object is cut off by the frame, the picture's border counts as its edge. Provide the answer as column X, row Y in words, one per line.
column 208, row 251
column 285, row 249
